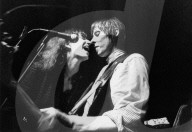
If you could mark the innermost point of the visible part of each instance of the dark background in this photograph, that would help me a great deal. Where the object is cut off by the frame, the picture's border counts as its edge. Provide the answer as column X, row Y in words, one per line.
column 169, row 77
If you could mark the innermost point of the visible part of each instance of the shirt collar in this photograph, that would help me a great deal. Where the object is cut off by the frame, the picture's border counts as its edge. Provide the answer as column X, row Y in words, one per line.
column 114, row 55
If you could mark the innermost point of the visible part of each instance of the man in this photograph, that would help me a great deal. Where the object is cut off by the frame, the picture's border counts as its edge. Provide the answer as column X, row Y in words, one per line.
column 37, row 87
column 127, row 89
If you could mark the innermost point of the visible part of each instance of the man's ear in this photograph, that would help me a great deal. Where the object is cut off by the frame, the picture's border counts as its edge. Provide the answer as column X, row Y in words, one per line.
column 116, row 32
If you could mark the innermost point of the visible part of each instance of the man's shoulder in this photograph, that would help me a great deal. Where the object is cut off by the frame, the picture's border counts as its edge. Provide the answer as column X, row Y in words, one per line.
column 134, row 56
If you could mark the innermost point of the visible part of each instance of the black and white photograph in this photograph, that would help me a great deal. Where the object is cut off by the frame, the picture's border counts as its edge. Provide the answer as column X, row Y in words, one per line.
column 95, row 66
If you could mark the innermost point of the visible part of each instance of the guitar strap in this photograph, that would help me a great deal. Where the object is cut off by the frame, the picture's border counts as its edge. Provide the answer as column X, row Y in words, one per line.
column 97, row 86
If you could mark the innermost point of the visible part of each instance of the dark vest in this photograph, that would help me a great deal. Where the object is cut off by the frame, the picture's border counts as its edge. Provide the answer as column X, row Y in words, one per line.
column 61, row 98
column 98, row 100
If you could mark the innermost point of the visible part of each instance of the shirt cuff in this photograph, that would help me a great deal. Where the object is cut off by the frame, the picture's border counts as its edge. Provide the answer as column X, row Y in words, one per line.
column 123, row 118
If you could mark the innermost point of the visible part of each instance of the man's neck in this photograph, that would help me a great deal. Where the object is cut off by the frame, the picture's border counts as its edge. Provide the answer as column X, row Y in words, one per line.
column 73, row 64
column 114, row 55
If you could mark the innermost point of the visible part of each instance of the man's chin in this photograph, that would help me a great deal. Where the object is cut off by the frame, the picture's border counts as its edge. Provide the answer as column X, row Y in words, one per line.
column 86, row 58
column 101, row 55
column 83, row 58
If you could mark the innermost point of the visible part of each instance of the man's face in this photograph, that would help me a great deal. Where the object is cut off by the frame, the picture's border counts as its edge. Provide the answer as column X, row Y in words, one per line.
column 78, row 50
column 103, row 44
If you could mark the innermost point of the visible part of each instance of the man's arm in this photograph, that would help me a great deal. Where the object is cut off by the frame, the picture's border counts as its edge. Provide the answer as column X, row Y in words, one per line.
column 87, row 124
column 76, row 123
column 129, row 92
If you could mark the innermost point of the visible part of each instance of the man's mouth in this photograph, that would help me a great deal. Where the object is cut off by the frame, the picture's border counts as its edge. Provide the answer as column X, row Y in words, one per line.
column 85, row 46
column 96, row 47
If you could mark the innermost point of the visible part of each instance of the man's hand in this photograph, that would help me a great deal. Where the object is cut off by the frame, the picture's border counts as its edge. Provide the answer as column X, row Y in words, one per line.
column 48, row 118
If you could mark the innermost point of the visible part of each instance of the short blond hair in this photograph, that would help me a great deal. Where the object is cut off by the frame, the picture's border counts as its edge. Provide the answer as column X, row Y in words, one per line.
column 109, row 26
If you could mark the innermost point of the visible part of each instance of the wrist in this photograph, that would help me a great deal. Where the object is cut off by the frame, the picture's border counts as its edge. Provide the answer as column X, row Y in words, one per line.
column 64, row 119
column 58, row 114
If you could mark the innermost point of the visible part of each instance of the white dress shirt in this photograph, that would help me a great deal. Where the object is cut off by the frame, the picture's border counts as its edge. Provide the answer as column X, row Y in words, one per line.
column 125, row 100
column 127, row 93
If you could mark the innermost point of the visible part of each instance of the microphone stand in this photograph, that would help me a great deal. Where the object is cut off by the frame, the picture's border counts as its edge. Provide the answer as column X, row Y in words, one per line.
column 24, row 34
column 16, row 47
column 40, row 49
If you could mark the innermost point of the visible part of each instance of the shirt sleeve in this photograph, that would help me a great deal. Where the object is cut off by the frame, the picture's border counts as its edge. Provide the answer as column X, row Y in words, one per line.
column 129, row 92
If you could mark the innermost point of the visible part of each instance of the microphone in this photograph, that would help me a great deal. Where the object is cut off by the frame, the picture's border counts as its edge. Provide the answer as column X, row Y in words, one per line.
column 63, row 35
column 70, row 37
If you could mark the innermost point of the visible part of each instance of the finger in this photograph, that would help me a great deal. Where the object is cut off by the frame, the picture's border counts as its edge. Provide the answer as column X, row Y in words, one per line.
column 40, row 119
column 44, row 118
column 44, row 123
column 45, row 109
column 51, row 122
column 43, row 126
column 40, row 123
column 47, row 117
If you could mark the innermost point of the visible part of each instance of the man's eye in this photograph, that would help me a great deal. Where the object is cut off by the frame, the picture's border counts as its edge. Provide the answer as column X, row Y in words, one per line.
column 97, row 33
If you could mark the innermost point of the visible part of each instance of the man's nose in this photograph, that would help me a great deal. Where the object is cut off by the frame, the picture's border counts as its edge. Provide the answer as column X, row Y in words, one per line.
column 93, row 40
column 92, row 43
column 87, row 41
